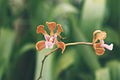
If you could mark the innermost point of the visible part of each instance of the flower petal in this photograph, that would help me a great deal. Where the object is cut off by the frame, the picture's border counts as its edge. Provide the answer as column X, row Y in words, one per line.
column 51, row 27
column 59, row 29
column 40, row 29
column 40, row 45
column 61, row 45
column 99, row 35
column 109, row 47
column 47, row 37
column 99, row 50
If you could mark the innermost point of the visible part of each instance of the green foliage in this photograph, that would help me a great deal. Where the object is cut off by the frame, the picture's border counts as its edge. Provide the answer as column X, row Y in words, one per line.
column 103, row 74
column 25, row 48
column 67, row 59
column 63, row 9
column 114, row 69
column 19, row 59
column 113, row 35
column 7, row 38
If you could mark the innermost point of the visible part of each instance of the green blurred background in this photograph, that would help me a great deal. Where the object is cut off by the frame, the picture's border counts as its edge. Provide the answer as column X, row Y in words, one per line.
column 19, row 59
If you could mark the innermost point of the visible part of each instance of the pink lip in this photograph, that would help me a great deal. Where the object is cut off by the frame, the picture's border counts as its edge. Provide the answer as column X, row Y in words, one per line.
column 50, row 41
column 109, row 47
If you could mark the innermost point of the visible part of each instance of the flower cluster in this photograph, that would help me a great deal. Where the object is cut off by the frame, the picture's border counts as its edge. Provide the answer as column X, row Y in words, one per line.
column 50, row 39
column 100, row 46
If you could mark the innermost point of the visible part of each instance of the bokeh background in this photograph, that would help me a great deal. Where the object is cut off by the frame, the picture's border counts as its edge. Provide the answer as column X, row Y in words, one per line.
column 19, row 59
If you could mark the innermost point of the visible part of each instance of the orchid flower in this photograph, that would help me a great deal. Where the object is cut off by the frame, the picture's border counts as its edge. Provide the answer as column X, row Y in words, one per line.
column 100, row 46
column 50, row 39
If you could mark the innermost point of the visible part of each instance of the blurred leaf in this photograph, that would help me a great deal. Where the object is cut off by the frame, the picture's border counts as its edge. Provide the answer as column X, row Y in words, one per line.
column 63, row 9
column 7, row 39
column 102, row 74
column 4, row 18
column 114, row 14
column 64, row 62
column 26, row 48
column 1, row 71
column 114, row 67
column 92, row 15
column 112, row 36
column 47, row 69
column 85, row 51
column 86, row 76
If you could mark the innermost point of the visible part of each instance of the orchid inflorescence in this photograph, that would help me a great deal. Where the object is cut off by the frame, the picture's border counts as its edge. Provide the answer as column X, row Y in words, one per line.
column 51, row 39
column 98, row 42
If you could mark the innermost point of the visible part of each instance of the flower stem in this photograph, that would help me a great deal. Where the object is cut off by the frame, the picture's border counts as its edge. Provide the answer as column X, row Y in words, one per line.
column 86, row 43
column 44, row 61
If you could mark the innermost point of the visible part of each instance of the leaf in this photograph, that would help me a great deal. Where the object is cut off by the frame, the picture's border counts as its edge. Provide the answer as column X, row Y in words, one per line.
column 102, row 74
column 114, row 67
column 86, row 51
column 93, row 14
column 47, row 69
column 7, row 39
column 64, row 62
column 25, row 48
column 63, row 9
column 112, row 35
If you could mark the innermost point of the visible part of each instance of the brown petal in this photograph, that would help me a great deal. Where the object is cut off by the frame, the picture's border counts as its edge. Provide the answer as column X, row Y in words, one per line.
column 99, row 35
column 61, row 45
column 59, row 28
column 40, row 29
column 51, row 25
column 99, row 50
column 40, row 45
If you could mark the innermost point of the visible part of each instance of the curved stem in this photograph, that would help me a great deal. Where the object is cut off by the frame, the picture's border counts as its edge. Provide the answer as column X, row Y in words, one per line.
column 51, row 51
column 86, row 43
column 44, row 61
